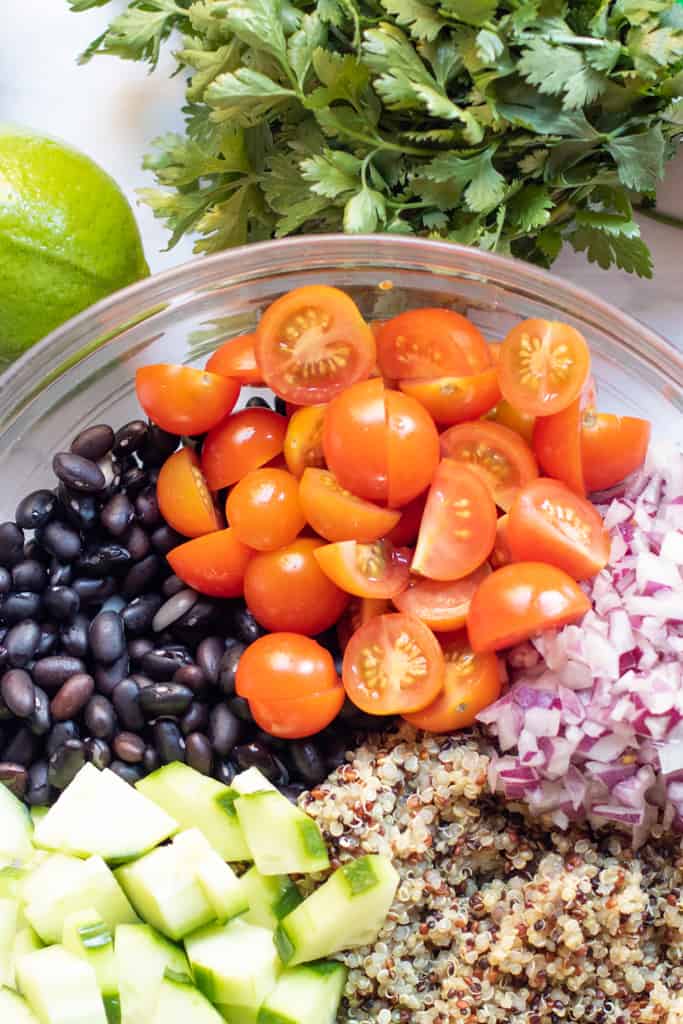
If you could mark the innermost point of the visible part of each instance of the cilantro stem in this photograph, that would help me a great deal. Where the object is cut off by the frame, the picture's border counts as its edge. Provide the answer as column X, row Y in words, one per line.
column 657, row 215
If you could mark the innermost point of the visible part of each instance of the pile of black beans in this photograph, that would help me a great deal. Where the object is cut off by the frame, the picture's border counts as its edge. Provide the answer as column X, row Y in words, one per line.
column 106, row 656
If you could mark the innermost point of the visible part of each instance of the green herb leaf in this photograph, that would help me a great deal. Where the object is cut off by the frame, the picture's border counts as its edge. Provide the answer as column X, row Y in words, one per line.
column 473, row 12
column 332, row 173
column 604, row 248
column 639, row 159
column 421, row 19
column 485, row 186
column 530, row 208
column 303, row 44
column 137, row 34
column 364, row 211
column 558, row 70
column 245, row 97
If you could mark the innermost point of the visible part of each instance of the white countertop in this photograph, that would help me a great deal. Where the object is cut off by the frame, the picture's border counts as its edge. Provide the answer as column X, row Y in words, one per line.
column 110, row 109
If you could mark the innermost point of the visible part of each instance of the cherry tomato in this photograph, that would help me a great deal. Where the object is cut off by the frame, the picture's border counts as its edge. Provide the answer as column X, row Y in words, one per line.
column 184, row 498
column 285, row 666
column 458, row 526
column 521, row 422
column 236, row 358
column 242, row 442
column 543, row 366
column 365, row 570
column 521, row 600
column 393, row 665
column 355, row 440
column 359, row 611
column 441, row 606
column 450, row 400
column 557, row 446
column 295, row 719
column 471, row 682
column 304, row 439
column 406, row 530
column 214, row 564
column 501, row 554
column 494, row 351
column 312, row 343
column 263, row 509
column 413, row 448
column 183, row 400
column 287, row 590
column 499, row 455
column 336, row 514
column 612, row 447
column 430, row 343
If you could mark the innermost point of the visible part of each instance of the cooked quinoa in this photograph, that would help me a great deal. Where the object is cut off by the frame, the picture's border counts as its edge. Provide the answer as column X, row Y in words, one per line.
column 495, row 919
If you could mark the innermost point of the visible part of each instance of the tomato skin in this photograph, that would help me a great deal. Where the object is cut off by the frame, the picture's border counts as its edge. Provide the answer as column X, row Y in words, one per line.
column 413, row 448
column 393, row 665
column 183, row 400
column 612, row 447
column 355, row 422
column 522, row 600
column 430, row 343
column 521, row 422
column 183, row 496
column 243, row 441
column 236, row 358
column 557, row 446
column 298, row 718
column 498, row 454
column 285, row 666
column 450, row 400
column 406, row 530
column 336, row 514
column 543, row 366
column 263, row 509
column 286, row 590
column 364, row 570
column 501, row 554
column 213, row 564
column 360, row 610
column 303, row 445
column 441, row 606
column 494, row 351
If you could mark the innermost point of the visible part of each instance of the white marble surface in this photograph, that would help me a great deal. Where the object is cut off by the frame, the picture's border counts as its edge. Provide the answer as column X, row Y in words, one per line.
column 111, row 109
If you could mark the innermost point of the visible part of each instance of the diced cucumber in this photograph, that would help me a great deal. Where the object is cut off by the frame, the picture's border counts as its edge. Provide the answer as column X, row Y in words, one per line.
column 220, row 883
column 25, row 941
column 195, row 800
column 347, row 911
column 309, row 994
column 180, row 1002
column 99, row 813
column 60, row 988
column 62, row 885
column 37, row 814
column 14, row 1009
column 252, row 781
column 9, row 913
column 283, row 840
column 270, row 897
column 87, row 935
column 16, row 828
column 142, row 956
column 11, row 882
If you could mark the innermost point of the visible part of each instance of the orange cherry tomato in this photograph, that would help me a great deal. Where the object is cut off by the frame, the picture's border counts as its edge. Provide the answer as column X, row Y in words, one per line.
column 184, row 499
column 359, row 611
column 263, row 509
column 458, row 526
column 498, row 454
column 521, row 422
column 557, row 446
column 285, row 666
column 242, row 442
column 522, row 600
column 336, row 514
column 286, row 590
column 450, row 400
column 300, row 717
column 312, row 343
column 471, row 682
column 304, row 439
column 355, row 440
column 494, row 351
column 365, row 570
column 430, row 343
column 236, row 358
column 441, row 606
column 406, row 530
column 413, row 448
column 501, row 554
column 213, row 564
column 612, row 447
column 393, row 665
column 543, row 366
column 183, row 400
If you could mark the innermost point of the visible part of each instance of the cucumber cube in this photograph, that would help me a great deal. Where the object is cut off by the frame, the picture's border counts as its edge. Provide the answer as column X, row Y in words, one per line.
column 86, row 935
column 9, row 915
column 309, row 994
column 252, row 781
column 179, row 1002
column 270, row 897
column 299, row 847
column 25, row 941
column 16, row 829
column 14, row 1010
column 220, row 884
column 60, row 988
column 142, row 956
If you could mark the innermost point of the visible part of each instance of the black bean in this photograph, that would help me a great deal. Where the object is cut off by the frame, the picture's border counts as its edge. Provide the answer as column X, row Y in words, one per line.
column 23, row 605
column 133, row 480
column 29, row 575
column 54, row 670
column 240, row 707
column 36, row 509
column 129, row 747
column 81, row 510
column 195, row 624
column 138, row 647
column 164, row 539
column 210, row 651
column 163, row 662
column 103, row 559
column 65, row 763
column 74, row 636
column 192, row 676
column 228, row 668
column 61, row 541
column 93, row 442
column 109, row 676
column 307, row 761
column 151, row 761
column 6, row 580
column 99, row 717
column 22, row 643
column 172, row 585
column 137, row 543
column 72, row 696
column 335, row 744
column 62, row 603
column 126, row 700
column 255, row 755
column 168, row 741
column 137, row 617
column 224, row 729
column 18, row 692
column 41, row 719
column 198, row 752
column 98, row 752
column 225, row 771
column 165, row 699
column 272, row 742
column 158, row 446
column 11, row 544
column 292, row 791
column 130, row 773
column 257, row 402
column 15, row 777
column 61, row 573
column 117, row 515
column 174, row 608
column 130, row 437
column 107, row 641
column 38, row 790
column 196, row 719
column 59, row 734
column 78, row 473
column 5, row 713
column 245, row 625
column 141, row 576
column 92, row 591
column 147, row 508
column 22, row 747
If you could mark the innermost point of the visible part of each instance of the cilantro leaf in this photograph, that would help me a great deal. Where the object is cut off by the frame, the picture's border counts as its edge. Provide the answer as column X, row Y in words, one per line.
column 484, row 186
column 639, row 159
column 626, row 251
column 364, row 211
column 332, row 173
column 258, row 23
column 303, row 44
column 244, row 97
column 421, row 19
column 180, row 161
column 530, row 208
column 227, row 223
column 473, row 12
column 137, row 33
column 558, row 70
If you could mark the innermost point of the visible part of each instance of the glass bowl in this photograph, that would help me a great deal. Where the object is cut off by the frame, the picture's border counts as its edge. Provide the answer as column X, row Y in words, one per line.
column 83, row 373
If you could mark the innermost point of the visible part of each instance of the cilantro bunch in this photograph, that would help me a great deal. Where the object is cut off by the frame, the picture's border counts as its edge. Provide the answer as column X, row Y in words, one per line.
column 513, row 126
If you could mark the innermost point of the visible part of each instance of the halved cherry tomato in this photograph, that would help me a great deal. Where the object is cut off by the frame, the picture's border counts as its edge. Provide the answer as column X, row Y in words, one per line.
column 312, row 343
column 304, row 439
column 183, row 496
column 213, row 564
column 494, row 351
column 458, row 526
column 612, row 447
column 287, row 590
column 284, row 666
column 263, row 509
column 501, row 554
column 547, row 522
column 521, row 600
column 521, row 422
column 430, row 343
column 359, row 611
column 300, row 717
column 236, row 358
column 242, row 442
column 472, row 682
column 450, row 400
column 413, row 447
column 365, row 570
column 498, row 454
column 543, row 366
column 183, row 400
column 336, row 514
column 557, row 446
column 355, row 440
column 441, row 606
column 393, row 665
column 406, row 530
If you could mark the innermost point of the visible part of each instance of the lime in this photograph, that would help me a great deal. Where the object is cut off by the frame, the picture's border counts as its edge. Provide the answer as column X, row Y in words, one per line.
column 67, row 237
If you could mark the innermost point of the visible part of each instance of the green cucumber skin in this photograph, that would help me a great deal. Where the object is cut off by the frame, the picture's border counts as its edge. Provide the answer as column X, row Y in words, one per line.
column 290, row 899
column 283, row 944
column 112, row 1008
column 268, row 1017
column 314, row 844
column 360, row 875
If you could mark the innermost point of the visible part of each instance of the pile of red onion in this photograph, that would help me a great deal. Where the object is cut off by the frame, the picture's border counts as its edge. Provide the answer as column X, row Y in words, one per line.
column 592, row 725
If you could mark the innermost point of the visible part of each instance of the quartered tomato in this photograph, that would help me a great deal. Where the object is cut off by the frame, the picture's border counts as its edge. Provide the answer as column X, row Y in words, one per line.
column 283, row 666
column 498, row 454
column 365, row 570
column 183, row 400
column 430, row 343
column 441, row 606
column 612, row 447
column 304, row 439
column 355, row 440
column 522, row 600
column 557, row 446
column 236, row 358
column 360, row 610
column 521, row 422
column 543, row 366
column 393, row 665
column 213, row 564
column 413, row 448
column 458, row 526
column 450, row 400
column 336, row 514
column 471, row 682
column 501, row 554
column 494, row 351
column 184, row 499
column 312, row 343
column 406, row 530
column 242, row 442
column 300, row 717
column 263, row 509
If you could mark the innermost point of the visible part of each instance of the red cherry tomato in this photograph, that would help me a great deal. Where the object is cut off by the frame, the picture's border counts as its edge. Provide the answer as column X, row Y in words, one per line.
column 304, row 439
column 214, row 564
column 499, row 456
column 359, row 611
column 441, row 606
column 430, row 343
column 336, row 514
column 543, row 366
column 183, row 400
column 413, row 448
column 450, row 400
column 557, row 446
column 263, row 509
column 612, row 447
column 295, row 719
column 501, row 554
column 236, row 358
column 406, row 530
column 365, row 570
column 184, row 498
column 242, row 442
column 355, row 440
column 285, row 666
